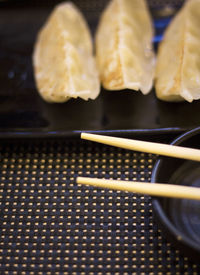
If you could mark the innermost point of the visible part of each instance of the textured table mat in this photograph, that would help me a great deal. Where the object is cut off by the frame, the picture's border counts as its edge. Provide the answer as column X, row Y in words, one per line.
column 49, row 225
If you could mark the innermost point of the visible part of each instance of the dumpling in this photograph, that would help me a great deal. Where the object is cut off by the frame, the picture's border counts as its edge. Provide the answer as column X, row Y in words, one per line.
column 178, row 61
column 63, row 59
column 124, row 51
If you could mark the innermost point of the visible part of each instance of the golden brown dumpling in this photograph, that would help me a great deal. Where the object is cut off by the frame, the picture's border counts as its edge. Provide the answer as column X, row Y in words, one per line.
column 178, row 61
column 63, row 57
column 124, row 51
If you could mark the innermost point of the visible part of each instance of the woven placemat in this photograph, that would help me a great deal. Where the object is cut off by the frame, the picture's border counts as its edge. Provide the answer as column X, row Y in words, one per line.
column 50, row 225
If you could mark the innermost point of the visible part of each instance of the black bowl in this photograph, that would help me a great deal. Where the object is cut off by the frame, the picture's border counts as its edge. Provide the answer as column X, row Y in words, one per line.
column 180, row 218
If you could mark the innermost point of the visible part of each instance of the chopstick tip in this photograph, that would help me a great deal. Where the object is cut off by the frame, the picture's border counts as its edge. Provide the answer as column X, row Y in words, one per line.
column 81, row 180
column 86, row 135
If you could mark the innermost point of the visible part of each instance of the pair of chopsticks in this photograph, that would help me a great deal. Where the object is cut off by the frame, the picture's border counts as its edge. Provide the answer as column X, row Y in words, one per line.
column 156, row 189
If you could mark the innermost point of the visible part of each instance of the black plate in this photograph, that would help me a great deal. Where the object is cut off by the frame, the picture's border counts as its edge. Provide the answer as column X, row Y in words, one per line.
column 23, row 112
column 180, row 218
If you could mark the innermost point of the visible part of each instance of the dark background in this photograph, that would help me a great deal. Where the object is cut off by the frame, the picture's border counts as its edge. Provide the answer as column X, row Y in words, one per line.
column 22, row 111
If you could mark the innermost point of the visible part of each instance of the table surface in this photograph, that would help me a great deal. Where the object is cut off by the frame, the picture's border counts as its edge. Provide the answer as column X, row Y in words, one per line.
column 50, row 225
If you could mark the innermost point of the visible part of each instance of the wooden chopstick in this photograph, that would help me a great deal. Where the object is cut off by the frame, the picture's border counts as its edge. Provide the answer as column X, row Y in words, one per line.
column 154, row 189
column 147, row 147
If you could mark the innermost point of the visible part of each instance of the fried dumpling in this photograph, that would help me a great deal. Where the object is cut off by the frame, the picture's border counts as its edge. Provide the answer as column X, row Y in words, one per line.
column 178, row 61
column 63, row 59
column 124, row 50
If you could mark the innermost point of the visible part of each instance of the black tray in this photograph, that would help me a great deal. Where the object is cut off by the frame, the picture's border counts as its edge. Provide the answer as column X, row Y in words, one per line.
column 24, row 113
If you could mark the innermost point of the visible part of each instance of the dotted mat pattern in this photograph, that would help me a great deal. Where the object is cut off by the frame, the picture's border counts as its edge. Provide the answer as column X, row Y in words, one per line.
column 51, row 225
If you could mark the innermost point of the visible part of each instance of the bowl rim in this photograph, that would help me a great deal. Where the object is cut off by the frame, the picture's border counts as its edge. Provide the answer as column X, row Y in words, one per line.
column 174, row 234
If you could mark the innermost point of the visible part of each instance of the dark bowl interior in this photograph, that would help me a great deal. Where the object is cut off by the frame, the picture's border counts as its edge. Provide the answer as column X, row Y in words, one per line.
column 180, row 218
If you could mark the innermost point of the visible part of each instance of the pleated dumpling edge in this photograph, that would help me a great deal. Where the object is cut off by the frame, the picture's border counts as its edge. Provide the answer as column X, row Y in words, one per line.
column 124, row 49
column 63, row 61
column 177, row 75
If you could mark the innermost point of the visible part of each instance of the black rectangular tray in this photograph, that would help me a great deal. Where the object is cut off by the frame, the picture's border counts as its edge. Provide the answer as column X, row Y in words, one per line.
column 24, row 113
